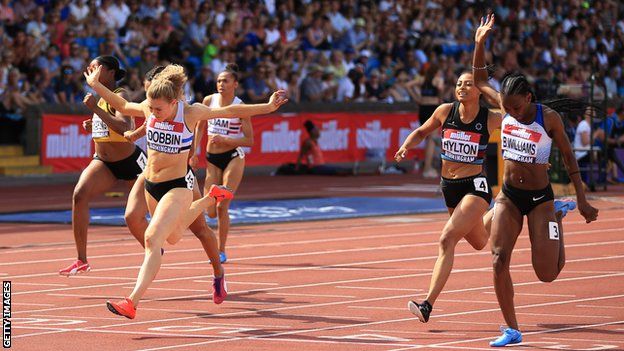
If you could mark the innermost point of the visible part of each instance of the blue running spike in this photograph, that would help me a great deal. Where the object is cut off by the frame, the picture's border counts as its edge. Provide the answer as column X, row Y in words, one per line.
column 564, row 206
column 510, row 336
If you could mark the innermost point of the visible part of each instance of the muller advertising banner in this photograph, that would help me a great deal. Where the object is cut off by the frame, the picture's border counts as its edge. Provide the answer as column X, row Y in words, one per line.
column 344, row 137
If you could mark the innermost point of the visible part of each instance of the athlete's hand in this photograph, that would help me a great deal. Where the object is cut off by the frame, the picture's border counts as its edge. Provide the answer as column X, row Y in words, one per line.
column 93, row 75
column 484, row 28
column 400, row 155
column 589, row 212
column 90, row 101
column 277, row 99
column 86, row 124
column 130, row 135
column 217, row 140
column 194, row 162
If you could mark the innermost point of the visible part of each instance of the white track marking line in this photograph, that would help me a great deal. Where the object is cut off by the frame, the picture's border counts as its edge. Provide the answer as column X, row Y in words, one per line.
column 263, row 337
column 381, row 308
column 448, row 344
column 598, row 306
column 318, row 267
column 312, row 295
column 385, row 278
column 371, row 288
column 563, row 315
column 541, row 295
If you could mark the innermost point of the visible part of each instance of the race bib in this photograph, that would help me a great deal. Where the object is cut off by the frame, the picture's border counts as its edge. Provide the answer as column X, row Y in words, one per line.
column 519, row 144
column 190, row 179
column 460, row 146
column 480, row 184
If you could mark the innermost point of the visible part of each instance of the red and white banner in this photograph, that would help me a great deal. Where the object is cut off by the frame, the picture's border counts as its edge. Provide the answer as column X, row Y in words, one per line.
column 65, row 145
column 344, row 137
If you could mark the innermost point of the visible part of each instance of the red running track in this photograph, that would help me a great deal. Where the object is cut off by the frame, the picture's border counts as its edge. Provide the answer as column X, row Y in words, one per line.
column 333, row 285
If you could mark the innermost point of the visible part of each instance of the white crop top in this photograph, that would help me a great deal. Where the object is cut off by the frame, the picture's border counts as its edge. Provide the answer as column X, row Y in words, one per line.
column 528, row 143
column 170, row 137
column 228, row 127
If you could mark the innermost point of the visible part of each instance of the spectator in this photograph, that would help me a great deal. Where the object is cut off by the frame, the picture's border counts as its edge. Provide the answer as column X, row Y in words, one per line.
column 256, row 88
column 67, row 87
column 204, row 83
column 312, row 85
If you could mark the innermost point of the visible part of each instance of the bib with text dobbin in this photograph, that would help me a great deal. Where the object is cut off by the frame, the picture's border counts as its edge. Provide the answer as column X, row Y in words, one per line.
column 527, row 143
column 170, row 137
column 465, row 142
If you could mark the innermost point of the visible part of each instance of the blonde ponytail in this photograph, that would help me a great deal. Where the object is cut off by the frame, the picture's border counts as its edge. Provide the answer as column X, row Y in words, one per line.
column 168, row 84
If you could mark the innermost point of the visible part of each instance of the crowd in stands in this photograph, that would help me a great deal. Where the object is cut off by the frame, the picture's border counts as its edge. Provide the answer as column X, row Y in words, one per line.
column 319, row 51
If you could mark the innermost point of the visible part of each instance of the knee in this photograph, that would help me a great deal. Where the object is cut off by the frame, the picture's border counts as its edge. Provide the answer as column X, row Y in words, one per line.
column 500, row 261
column 133, row 217
column 447, row 241
column 150, row 241
column 222, row 209
column 549, row 274
column 202, row 233
column 80, row 195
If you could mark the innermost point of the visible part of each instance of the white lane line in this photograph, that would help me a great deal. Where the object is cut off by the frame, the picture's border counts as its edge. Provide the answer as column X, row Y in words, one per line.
column 540, row 295
column 372, row 288
column 548, row 331
column 246, row 283
column 312, row 295
column 563, row 315
column 346, row 264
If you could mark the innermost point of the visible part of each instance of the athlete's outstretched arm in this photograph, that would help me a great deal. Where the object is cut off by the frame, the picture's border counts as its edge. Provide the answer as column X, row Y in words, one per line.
column 201, row 112
column 419, row 134
column 557, row 130
column 118, row 102
column 479, row 68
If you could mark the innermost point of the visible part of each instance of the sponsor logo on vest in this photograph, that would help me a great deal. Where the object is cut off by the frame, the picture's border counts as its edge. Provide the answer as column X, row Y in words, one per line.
column 163, row 126
column 460, row 135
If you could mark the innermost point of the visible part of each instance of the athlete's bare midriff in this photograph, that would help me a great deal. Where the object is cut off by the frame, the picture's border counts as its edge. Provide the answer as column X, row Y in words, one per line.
column 456, row 170
column 217, row 149
column 162, row 167
column 526, row 176
column 114, row 151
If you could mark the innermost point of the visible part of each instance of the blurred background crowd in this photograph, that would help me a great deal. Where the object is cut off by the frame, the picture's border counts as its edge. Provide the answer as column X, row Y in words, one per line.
column 318, row 51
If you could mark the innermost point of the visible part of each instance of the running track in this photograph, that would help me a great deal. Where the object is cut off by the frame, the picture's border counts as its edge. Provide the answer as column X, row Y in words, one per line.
column 333, row 285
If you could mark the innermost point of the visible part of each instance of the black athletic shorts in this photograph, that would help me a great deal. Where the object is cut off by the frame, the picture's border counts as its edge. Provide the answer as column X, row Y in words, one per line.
column 158, row 190
column 223, row 159
column 454, row 190
column 527, row 200
column 130, row 167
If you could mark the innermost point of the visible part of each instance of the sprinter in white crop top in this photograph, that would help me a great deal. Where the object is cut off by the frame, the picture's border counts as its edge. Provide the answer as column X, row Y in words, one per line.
column 225, row 156
column 528, row 130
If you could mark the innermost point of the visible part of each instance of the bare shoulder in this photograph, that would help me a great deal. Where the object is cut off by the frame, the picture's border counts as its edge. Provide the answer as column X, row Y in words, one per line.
column 550, row 115
column 445, row 107
column 208, row 99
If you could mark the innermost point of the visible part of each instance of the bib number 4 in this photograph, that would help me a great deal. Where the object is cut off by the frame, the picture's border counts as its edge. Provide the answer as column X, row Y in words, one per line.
column 480, row 184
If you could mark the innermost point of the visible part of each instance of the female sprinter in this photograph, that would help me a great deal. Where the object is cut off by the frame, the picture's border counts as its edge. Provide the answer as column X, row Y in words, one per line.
column 527, row 132
column 466, row 128
column 224, row 148
column 168, row 182
column 198, row 227
column 115, row 159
